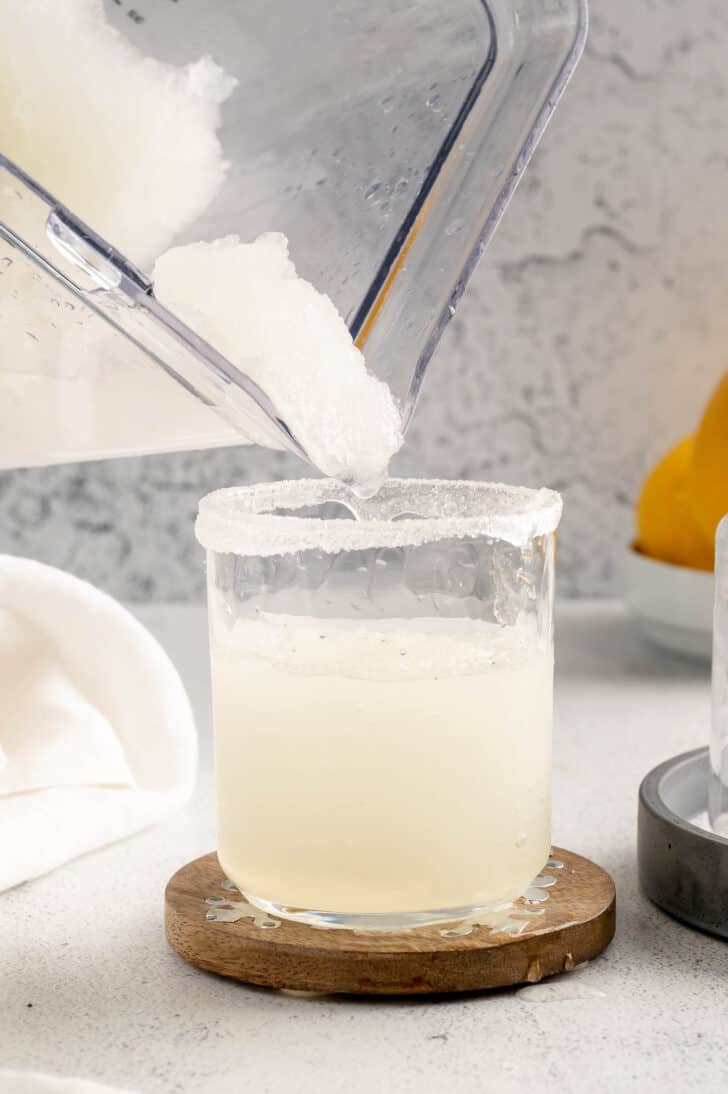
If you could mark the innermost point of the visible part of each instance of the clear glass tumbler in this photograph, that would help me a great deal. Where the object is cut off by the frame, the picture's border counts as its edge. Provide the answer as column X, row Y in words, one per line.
column 718, row 788
column 382, row 694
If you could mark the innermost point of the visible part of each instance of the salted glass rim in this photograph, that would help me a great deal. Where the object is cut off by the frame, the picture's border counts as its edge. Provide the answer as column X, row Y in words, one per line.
column 248, row 520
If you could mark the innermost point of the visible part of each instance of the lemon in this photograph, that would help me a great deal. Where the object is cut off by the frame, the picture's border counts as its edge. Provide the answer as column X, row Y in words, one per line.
column 709, row 465
column 667, row 527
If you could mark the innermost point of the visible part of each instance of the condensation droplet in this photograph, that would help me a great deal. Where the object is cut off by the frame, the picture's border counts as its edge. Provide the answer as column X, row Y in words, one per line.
column 231, row 911
column 513, row 927
column 533, row 972
column 455, row 226
column 460, row 931
column 535, row 896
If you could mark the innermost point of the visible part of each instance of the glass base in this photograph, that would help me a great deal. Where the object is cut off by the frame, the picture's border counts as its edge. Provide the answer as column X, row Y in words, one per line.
column 375, row 921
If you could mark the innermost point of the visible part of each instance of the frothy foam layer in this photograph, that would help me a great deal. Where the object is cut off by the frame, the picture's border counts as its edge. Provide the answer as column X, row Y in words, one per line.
column 246, row 300
column 396, row 649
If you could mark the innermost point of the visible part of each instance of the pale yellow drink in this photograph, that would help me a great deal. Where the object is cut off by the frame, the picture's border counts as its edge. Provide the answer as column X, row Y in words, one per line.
column 383, row 766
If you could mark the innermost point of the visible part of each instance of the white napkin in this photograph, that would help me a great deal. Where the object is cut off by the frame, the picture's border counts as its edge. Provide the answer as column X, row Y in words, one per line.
column 29, row 1082
column 97, row 738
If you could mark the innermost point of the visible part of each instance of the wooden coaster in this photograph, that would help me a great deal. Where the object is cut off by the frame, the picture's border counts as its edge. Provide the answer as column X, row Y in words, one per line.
column 567, row 917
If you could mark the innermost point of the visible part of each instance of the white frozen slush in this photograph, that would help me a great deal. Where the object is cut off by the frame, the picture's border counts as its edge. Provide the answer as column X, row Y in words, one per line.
column 127, row 142
column 248, row 302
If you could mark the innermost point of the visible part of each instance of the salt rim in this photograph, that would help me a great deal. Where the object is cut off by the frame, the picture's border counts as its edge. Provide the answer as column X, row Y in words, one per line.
column 238, row 520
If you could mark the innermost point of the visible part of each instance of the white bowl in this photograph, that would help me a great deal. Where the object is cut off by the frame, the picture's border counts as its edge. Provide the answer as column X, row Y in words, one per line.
column 673, row 604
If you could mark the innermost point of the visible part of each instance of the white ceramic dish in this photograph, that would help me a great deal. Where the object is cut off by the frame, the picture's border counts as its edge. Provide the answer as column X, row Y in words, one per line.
column 673, row 604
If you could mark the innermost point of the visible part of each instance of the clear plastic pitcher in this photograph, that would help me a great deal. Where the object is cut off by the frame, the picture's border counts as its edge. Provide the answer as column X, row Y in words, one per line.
column 384, row 139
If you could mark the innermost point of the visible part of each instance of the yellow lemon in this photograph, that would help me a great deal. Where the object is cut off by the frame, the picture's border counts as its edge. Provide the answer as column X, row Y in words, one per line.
column 667, row 528
column 709, row 465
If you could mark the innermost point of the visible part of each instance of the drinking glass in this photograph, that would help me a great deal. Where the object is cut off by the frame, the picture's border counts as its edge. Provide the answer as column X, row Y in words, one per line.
column 382, row 695
column 718, row 787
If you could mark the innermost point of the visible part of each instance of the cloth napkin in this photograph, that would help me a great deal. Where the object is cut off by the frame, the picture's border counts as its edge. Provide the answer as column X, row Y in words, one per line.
column 29, row 1082
column 97, row 738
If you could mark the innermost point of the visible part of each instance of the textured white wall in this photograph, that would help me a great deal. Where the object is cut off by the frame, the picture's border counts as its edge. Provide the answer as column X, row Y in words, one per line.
column 586, row 344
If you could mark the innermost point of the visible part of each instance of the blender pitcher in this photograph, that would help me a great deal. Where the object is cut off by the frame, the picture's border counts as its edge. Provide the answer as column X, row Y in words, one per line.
column 384, row 139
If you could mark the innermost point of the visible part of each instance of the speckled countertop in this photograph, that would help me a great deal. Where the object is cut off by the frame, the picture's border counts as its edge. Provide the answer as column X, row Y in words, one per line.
column 110, row 1001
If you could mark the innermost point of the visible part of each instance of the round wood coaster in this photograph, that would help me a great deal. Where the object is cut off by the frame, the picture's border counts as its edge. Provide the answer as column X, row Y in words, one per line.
column 567, row 916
